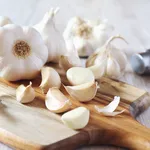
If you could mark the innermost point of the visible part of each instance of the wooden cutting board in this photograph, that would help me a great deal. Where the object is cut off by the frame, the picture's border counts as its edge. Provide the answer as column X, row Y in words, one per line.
column 33, row 127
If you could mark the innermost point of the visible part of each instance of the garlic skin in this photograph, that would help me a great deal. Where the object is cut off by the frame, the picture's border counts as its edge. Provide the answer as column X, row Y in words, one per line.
column 50, row 78
column 110, row 108
column 87, row 35
column 84, row 92
column 4, row 21
column 77, row 118
column 25, row 94
column 23, row 52
column 56, row 101
column 110, row 58
column 79, row 75
column 51, row 36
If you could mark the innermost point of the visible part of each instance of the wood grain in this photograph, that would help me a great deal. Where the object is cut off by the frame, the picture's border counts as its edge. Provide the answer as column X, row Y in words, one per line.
column 33, row 127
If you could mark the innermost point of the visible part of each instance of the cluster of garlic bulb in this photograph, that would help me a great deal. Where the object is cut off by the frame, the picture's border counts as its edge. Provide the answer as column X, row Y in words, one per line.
column 107, row 60
column 87, row 35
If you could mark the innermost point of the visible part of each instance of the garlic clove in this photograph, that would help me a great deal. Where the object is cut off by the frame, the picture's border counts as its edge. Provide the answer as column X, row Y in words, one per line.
column 77, row 118
column 98, row 70
column 25, row 94
column 50, row 78
column 56, row 101
column 4, row 21
column 113, row 68
column 110, row 108
column 79, row 75
column 120, row 57
column 84, row 92
column 66, row 62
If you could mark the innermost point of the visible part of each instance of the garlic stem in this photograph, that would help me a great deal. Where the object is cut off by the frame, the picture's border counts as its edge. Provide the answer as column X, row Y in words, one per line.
column 113, row 38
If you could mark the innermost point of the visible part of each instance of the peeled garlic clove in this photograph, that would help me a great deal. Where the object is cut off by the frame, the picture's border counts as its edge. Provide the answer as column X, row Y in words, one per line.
column 98, row 70
column 50, row 78
column 84, row 92
column 110, row 108
column 25, row 94
column 56, row 101
column 4, row 20
column 79, row 75
column 77, row 118
column 113, row 68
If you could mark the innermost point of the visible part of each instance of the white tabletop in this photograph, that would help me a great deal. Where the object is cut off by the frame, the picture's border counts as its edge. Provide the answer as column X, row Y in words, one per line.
column 129, row 17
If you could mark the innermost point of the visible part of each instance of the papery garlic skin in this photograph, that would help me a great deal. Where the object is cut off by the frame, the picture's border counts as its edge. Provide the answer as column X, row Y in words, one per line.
column 110, row 108
column 77, row 118
column 22, row 52
column 56, row 101
column 4, row 21
column 86, row 35
column 25, row 94
column 79, row 75
column 51, row 36
column 84, row 92
column 113, row 59
column 50, row 78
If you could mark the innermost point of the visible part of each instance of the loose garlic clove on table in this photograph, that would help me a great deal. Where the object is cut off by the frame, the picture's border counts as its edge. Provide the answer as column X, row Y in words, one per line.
column 84, row 92
column 77, row 118
column 50, row 78
column 25, row 94
column 56, row 101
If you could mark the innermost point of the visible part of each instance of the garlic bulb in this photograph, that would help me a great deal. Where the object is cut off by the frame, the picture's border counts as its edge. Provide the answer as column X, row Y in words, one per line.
column 25, row 94
column 107, row 61
column 77, row 118
column 84, row 92
column 4, row 20
column 86, row 35
column 22, row 52
column 52, row 38
column 79, row 75
column 50, row 78
column 56, row 101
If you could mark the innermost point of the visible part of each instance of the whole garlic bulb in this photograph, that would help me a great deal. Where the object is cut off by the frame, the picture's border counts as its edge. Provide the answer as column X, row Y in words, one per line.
column 22, row 52
column 108, row 61
column 86, row 35
column 51, row 36
column 4, row 20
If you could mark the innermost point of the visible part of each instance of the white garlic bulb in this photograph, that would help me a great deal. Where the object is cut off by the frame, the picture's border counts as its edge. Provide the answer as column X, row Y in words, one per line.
column 51, row 36
column 25, row 94
column 4, row 20
column 22, row 52
column 86, row 35
column 107, row 61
